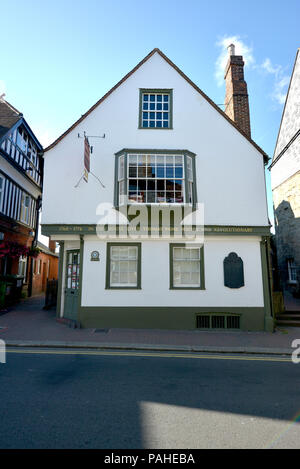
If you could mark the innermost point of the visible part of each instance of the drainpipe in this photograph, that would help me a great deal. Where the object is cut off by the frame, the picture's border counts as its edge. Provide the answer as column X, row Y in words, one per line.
column 34, row 244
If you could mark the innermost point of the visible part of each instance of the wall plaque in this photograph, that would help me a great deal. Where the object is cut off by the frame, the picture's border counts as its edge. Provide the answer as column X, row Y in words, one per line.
column 95, row 256
column 233, row 271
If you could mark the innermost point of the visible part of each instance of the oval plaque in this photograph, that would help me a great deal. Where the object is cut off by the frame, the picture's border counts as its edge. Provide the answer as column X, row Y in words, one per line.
column 95, row 256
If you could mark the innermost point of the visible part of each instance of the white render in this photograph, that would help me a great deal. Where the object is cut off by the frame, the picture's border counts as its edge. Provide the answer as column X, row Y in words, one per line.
column 230, row 183
column 230, row 170
column 215, row 294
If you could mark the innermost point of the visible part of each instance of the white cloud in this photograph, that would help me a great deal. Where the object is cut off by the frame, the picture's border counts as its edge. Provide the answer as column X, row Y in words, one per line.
column 268, row 67
column 281, row 80
column 240, row 49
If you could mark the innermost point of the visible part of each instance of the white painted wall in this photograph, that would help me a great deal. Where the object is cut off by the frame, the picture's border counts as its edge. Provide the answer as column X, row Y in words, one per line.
column 17, row 177
column 230, row 171
column 287, row 165
column 155, row 276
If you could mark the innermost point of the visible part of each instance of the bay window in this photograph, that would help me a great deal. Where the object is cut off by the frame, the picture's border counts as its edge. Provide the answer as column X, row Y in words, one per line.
column 155, row 177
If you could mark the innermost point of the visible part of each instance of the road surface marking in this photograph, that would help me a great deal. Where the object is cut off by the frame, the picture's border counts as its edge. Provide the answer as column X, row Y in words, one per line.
column 193, row 355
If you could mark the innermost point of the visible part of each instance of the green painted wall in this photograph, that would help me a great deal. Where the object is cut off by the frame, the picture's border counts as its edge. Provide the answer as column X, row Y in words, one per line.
column 252, row 319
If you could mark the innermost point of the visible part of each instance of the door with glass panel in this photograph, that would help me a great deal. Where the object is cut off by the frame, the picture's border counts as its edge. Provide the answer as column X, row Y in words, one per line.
column 72, row 284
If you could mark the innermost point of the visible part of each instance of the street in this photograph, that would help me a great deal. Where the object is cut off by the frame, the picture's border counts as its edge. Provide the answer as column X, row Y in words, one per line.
column 129, row 400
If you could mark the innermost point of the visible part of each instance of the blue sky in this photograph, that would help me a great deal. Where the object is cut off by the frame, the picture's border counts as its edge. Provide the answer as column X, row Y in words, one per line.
column 61, row 56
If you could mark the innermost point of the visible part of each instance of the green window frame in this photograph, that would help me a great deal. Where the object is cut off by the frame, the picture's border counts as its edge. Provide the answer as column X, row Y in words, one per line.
column 201, row 285
column 109, row 260
column 123, row 176
column 156, row 109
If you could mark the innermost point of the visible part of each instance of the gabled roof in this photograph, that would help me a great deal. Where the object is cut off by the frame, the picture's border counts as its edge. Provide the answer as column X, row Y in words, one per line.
column 276, row 156
column 9, row 116
column 183, row 76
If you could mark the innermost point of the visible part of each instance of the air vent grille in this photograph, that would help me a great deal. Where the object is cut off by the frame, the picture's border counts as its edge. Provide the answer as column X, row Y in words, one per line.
column 214, row 321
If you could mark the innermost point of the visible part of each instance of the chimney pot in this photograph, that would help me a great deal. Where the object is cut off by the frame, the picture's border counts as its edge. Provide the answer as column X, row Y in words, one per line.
column 231, row 49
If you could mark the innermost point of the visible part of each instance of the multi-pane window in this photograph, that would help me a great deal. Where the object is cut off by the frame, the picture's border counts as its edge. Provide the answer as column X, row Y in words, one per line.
column 73, row 270
column 25, row 203
column 156, row 109
column 185, row 268
column 22, row 266
column 155, row 178
column 15, row 203
column 292, row 271
column 121, row 179
column 1, row 191
column 189, row 179
column 123, row 262
column 24, row 151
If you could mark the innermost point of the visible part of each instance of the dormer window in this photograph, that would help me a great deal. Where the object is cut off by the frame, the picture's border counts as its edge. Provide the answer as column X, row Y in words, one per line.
column 155, row 177
column 155, row 109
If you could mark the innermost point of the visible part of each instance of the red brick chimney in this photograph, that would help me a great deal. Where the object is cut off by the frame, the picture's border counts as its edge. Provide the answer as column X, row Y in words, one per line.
column 52, row 245
column 236, row 98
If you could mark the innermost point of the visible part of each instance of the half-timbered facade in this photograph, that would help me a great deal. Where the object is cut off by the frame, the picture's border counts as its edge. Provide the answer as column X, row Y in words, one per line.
column 21, row 173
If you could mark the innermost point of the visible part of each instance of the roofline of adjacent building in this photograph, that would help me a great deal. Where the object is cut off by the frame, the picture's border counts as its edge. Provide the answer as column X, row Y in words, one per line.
column 46, row 250
column 156, row 50
column 16, row 124
column 275, row 159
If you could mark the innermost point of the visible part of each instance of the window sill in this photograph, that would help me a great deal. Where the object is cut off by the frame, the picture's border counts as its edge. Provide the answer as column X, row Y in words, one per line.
column 156, row 204
column 186, row 288
column 155, row 128
column 123, row 288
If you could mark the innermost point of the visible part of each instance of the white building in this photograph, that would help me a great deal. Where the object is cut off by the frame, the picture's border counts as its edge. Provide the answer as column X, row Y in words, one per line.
column 285, row 176
column 166, row 145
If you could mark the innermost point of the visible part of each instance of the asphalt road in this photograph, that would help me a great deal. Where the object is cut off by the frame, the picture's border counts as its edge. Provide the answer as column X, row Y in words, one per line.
column 71, row 399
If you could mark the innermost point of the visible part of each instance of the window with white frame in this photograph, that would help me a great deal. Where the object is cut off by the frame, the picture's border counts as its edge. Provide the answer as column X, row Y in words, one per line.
column 123, row 266
column 189, row 179
column 25, row 204
column 39, row 264
column 121, row 179
column 22, row 266
column 1, row 192
column 186, row 266
column 155, row 109
column 155, row 178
